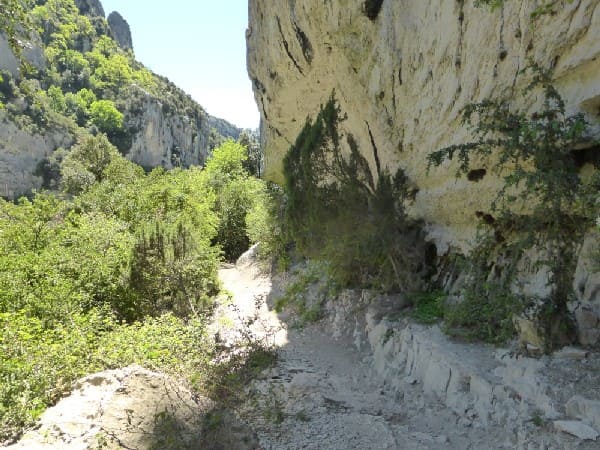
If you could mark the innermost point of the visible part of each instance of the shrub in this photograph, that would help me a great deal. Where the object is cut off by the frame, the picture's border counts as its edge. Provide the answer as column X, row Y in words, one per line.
column 236, row 193
column 265, row 225
column 533, row 155
column 173, row 269
column 86, row 162
column 337, row 212
column 105, row 115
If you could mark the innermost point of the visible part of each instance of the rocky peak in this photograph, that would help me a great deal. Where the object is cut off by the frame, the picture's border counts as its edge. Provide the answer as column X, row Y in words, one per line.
column 90, row 7
column 120, row 30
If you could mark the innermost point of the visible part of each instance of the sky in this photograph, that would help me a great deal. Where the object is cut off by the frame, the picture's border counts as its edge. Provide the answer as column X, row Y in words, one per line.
column 200, row 46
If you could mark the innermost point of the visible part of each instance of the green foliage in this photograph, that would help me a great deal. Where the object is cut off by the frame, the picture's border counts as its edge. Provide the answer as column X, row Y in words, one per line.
column 307, row 293
column 86, row 162
column 428, row 307
column 173, row 269
column 485, row 314
column 237, row 195
column 255, row 157
column 40, row 363
column 105, row 115
column 14, row 21
column 336, row 212
column 533, row 154
column 265, row 225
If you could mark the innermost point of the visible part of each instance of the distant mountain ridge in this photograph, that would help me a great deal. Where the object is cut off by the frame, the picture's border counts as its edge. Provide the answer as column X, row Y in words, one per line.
column 80, row 77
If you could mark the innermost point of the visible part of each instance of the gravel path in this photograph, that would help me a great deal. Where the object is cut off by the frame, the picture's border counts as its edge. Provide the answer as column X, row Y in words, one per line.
column 322, row 394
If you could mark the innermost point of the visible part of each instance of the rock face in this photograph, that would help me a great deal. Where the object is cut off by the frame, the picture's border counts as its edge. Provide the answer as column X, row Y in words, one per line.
column 8, row 61
column 124, row 408
column 120, row 30
column 90, row 7
column 21, row 153
column 167, row 139
column 402, row 72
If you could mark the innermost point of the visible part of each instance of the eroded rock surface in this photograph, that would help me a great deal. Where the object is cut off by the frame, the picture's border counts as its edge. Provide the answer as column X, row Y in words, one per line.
column 403, row 76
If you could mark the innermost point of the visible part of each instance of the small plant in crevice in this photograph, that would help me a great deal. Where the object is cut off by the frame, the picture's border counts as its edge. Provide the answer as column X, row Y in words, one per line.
column 428, row 307
column 533, row 153
column 338, row 212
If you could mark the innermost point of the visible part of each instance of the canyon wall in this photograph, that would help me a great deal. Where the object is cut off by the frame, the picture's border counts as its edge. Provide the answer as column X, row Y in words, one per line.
column 403, row 71
column 403, row 77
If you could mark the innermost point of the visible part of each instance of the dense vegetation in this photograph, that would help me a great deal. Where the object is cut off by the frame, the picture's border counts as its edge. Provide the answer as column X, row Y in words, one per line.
column 119, row 267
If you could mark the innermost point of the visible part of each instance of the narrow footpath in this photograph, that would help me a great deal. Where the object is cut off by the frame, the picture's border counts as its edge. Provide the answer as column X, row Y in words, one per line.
column 323, row 394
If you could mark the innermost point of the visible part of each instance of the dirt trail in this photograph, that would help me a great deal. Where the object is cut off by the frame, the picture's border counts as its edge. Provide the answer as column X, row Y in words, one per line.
column 323, row 394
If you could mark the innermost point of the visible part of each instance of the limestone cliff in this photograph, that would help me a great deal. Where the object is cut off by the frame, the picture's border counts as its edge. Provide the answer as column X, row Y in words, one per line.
column 403, row 78
column 403, row 71
column 120, row 30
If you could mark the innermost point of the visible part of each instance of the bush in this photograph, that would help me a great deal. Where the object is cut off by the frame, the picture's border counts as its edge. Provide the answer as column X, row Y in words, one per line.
column 336, row 211
column 86, row 162
column 105, row 115
column 533, row 154
column 265, row 225
column 236, row 193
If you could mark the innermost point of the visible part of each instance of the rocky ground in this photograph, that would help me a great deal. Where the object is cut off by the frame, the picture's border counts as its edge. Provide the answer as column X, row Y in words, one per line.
column 330, row 389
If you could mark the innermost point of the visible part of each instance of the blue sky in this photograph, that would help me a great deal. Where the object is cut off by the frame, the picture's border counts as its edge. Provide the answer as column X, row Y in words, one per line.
column 200, row 46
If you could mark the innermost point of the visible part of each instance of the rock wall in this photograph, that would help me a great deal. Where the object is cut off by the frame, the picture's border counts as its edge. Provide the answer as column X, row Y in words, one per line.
column 21, row 154
column 120, row 30
column 481, row 384
column 92, row 8
column 167, row 138
column 402, row 72
column 403, row 76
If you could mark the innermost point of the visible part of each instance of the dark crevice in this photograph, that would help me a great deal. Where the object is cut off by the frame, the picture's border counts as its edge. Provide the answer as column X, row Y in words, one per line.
column 431, row 254
column 258, row 86
column 461, row 21
column 287, row 47
column 585, row 156
column 488, row 219
column 264, row 110
column 307, row 49
column 372, row 8
column 375, row 150
column 476, row 175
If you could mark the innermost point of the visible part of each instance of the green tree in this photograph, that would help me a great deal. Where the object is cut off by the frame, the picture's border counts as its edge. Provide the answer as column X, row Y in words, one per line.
column 86, row 162
column 105, row 115
column 254, row 162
